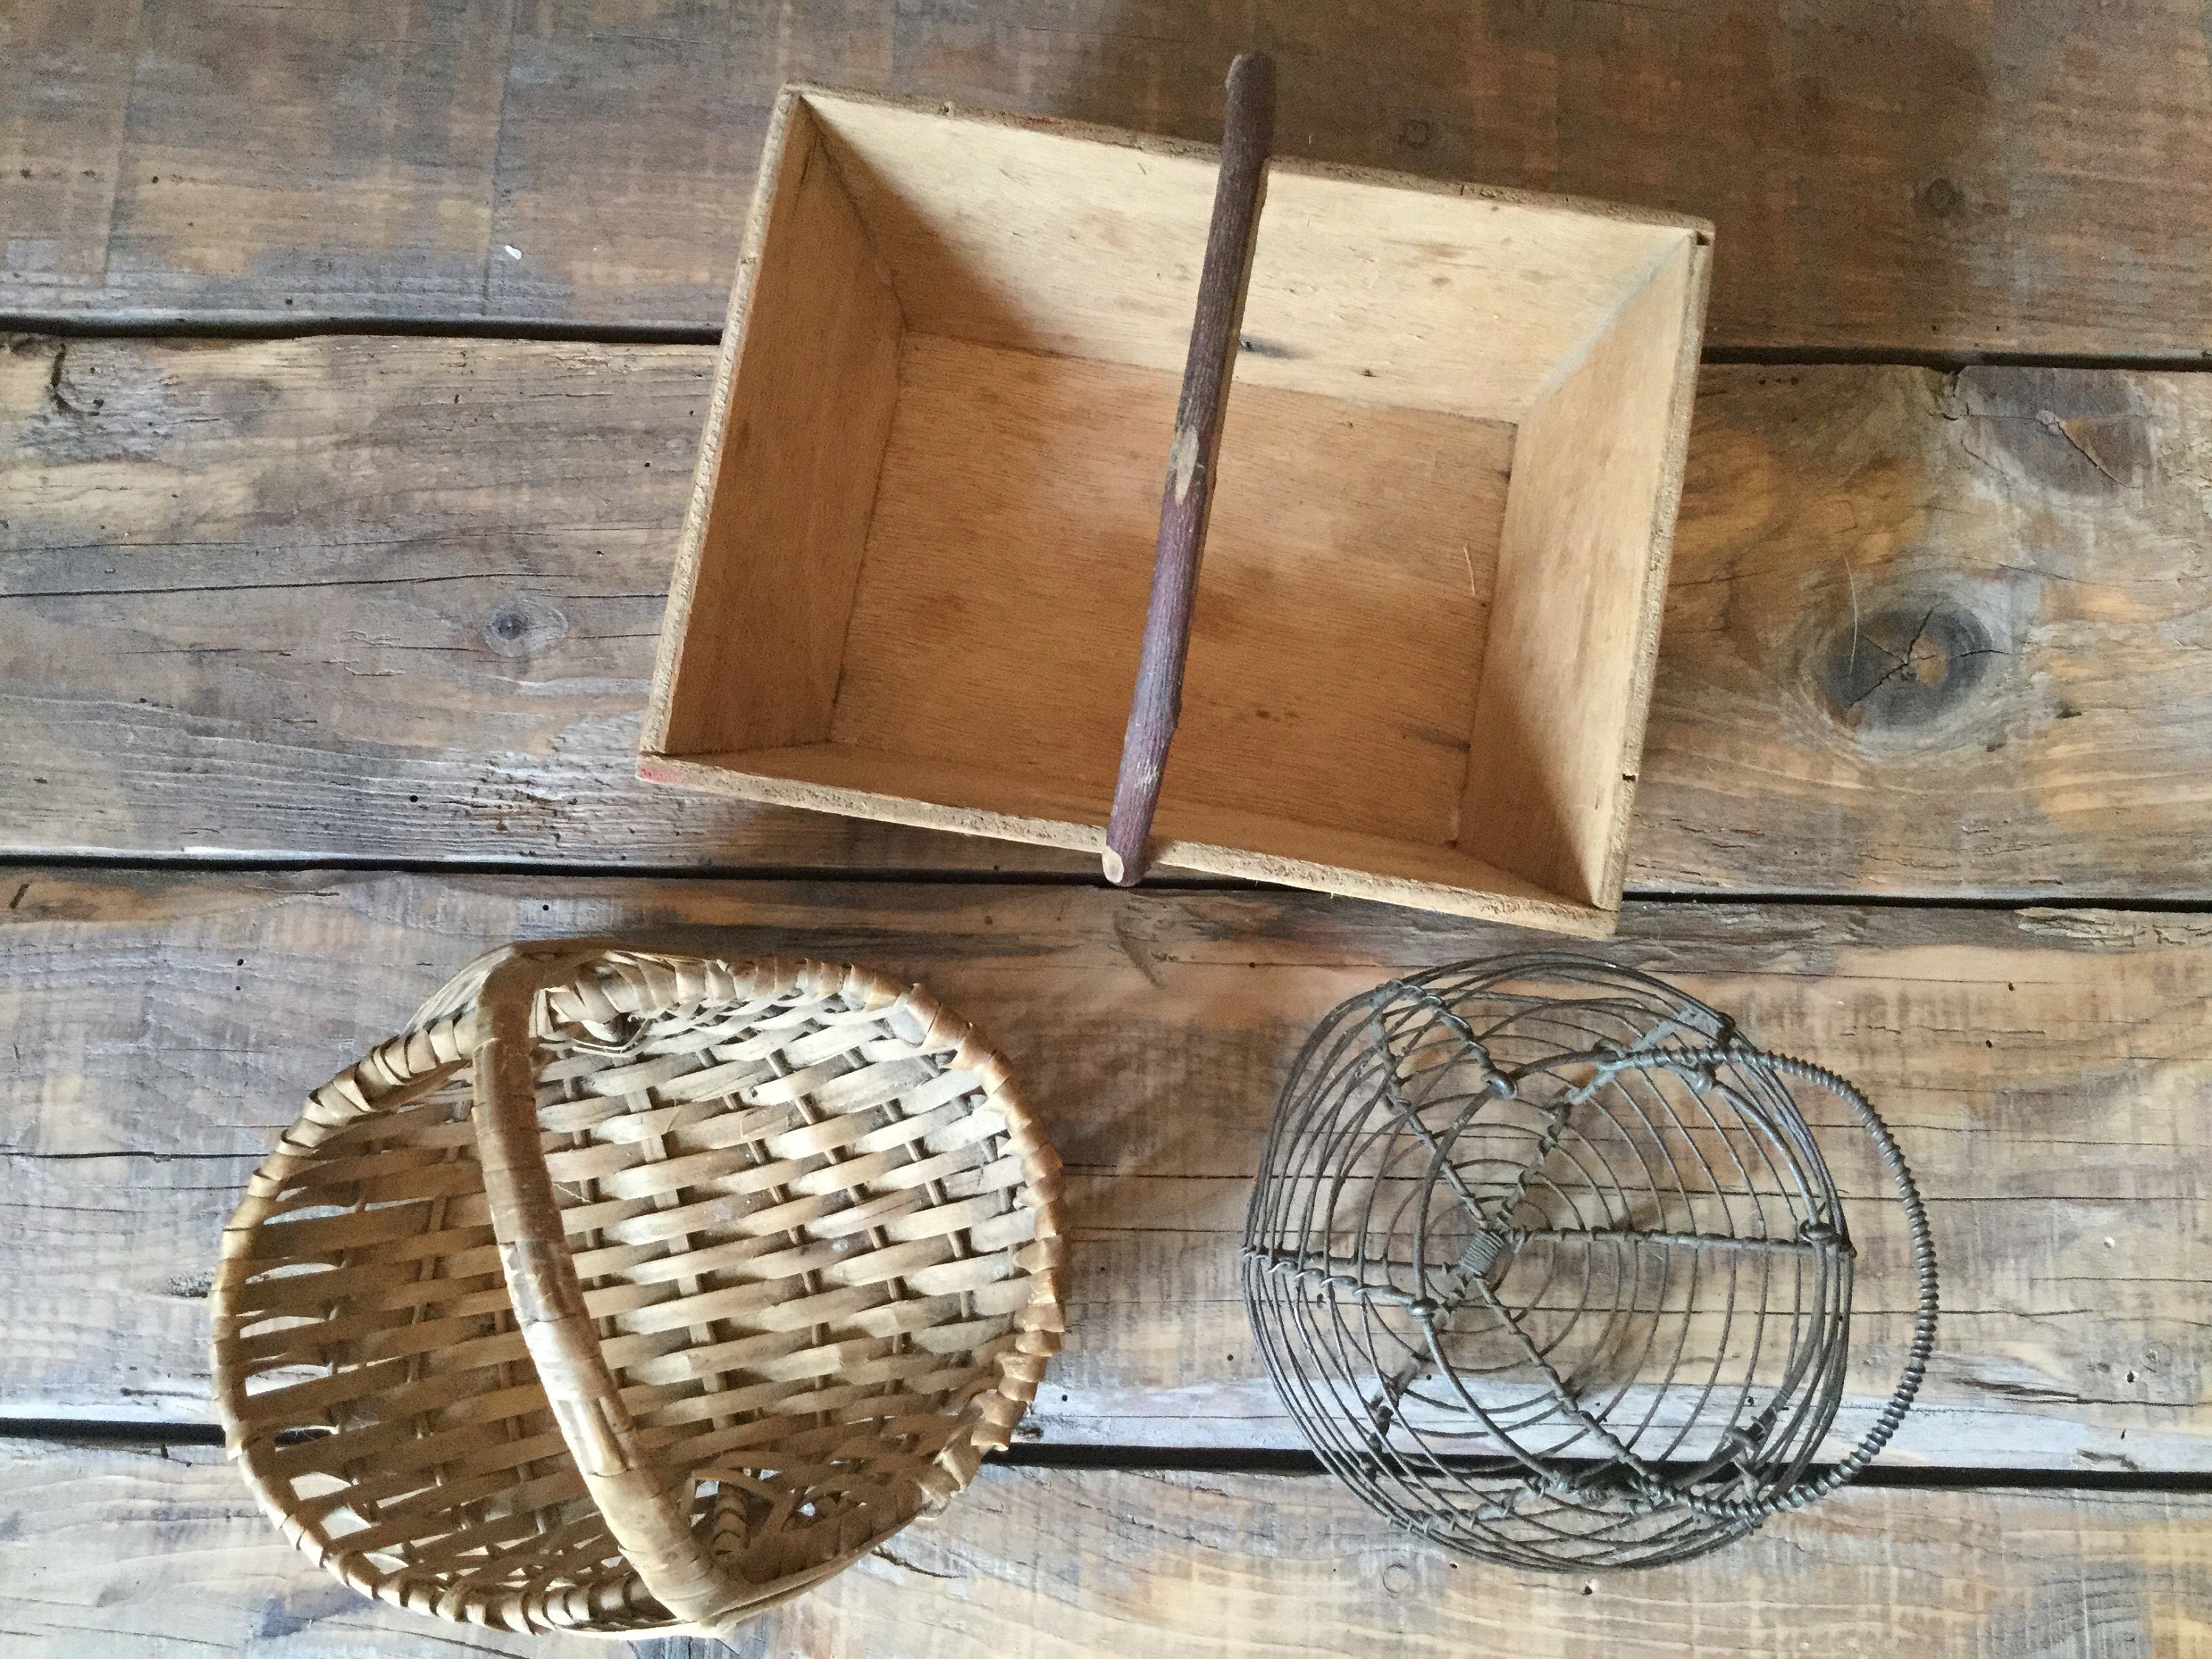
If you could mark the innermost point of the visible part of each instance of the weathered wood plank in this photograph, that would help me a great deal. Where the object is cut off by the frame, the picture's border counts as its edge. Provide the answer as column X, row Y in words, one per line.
column 398, row 600
column 65, row 68
column 371, row 599
column 166, row 1553
column 1933, row 633
column 2040, row 1069
column 322, row 159
column 1960, row 179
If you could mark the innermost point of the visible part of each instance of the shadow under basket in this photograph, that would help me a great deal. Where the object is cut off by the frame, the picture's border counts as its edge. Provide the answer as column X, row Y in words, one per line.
column 914, row 577
column 628, row 1293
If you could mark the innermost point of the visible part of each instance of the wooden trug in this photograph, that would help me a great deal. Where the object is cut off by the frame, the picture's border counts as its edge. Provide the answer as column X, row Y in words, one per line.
column 625, row 1293
column 913, row 579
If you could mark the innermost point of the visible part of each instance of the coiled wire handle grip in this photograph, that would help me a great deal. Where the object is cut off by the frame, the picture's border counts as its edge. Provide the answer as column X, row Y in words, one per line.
column 1923, row 1318
column 1248, row 130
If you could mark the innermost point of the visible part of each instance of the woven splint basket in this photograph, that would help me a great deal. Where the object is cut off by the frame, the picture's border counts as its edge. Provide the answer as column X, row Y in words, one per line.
column 626, row 1293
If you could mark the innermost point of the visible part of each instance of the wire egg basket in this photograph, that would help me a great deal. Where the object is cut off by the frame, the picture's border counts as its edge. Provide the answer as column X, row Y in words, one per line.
column 1549, row 1267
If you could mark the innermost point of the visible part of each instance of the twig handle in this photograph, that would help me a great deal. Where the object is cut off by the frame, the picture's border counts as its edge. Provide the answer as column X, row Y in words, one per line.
column 1248, row 130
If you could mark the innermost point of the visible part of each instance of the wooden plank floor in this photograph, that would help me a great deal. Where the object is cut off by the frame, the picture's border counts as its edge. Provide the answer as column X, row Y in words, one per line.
column 129, row 1550
column 1151, row 1031
column 1957, row 177
column 1919, row 642
column 322, row 655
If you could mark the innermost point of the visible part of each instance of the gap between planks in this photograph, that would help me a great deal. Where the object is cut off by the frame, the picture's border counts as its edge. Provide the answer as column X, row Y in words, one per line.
column 188, row 325
column 1221, row 1460
column 1156, row 881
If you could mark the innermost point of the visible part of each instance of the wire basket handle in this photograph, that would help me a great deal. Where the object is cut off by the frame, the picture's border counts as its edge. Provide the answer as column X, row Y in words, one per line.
column 1924, row 1317
column 1248, row 131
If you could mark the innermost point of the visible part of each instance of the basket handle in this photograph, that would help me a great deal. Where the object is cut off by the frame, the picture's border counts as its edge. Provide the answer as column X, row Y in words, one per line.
column 637, row 1504
column 1923, row 1314
column 1248, row 130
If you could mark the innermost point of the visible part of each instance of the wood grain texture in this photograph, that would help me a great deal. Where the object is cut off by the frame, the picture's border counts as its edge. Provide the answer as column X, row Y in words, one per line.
column 402, row 599
column 65, row 68
column 2039, row 1069
column 385, row 599
column 1936, row 633
column 1582, row 581
column 320, row 160
column 998, row 618
column 1965, row 177
column 162, row 1552
column 754, row 640
column 1080, row 240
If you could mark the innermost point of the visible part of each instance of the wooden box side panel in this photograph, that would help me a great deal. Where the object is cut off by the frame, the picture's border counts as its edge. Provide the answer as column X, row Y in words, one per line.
column 762, row 595
column 1033, row 235
column 1259, row 847
column 1372, row 287
column 1055, row 236
column 934, row 795
column 1581, row 581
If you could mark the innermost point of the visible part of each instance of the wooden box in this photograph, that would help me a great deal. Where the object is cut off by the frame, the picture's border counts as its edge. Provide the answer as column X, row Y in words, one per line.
column 913, row 576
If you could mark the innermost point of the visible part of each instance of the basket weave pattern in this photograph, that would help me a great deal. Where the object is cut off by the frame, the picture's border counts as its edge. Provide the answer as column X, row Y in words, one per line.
column 626, row 1292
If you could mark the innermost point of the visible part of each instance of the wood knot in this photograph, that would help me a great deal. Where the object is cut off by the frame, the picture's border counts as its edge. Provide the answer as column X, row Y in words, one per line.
column 519, row 626
column 1940, row 198
column 1903, row 665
